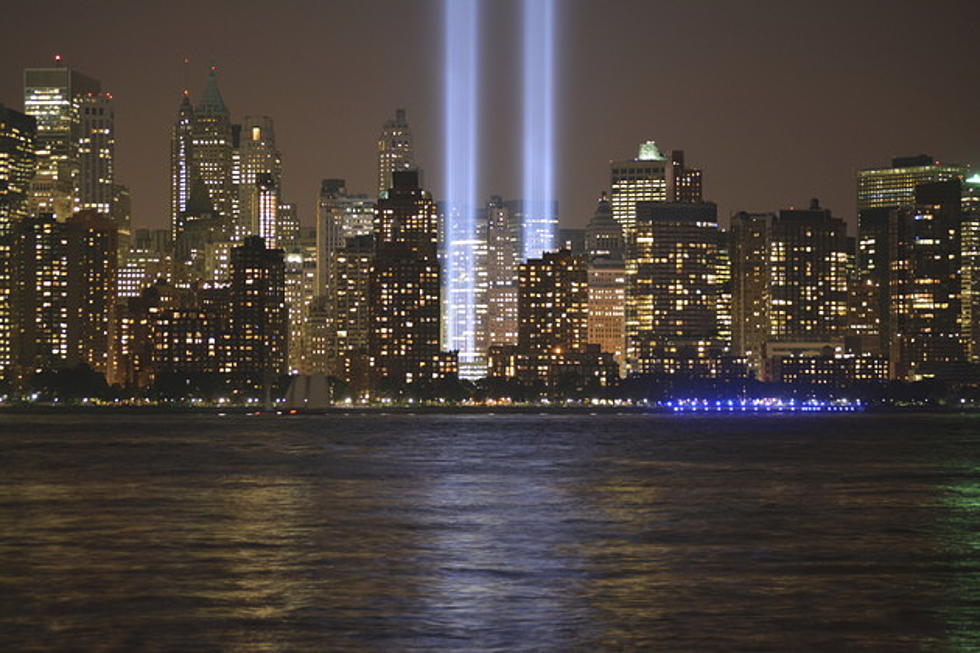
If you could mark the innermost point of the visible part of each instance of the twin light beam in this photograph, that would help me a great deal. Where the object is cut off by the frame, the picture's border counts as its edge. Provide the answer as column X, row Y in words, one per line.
column 540, row 214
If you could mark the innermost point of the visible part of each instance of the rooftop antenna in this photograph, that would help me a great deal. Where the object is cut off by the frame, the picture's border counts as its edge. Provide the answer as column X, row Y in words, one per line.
column 187, row 90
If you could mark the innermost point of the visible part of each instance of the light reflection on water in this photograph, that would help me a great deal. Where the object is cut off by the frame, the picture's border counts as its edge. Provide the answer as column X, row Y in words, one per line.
column 503, row 532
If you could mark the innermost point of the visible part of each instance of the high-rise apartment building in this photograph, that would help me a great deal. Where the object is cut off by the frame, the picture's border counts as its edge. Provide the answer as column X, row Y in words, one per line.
column 750, row 241
column 674, row 290
column 93, row 253
column 259, row 316
column 396, row 150
column 405, row 289
column 643, row 179
column 349, row 318
column 53, row 96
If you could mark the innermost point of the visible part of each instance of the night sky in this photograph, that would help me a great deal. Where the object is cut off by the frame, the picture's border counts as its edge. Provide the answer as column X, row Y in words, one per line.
column 778, row 101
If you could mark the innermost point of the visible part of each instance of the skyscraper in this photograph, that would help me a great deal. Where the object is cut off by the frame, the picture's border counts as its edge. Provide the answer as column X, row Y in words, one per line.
column 54, row 96
column 17, row 136
column 607, row 283
column 259, row 179
column 643, row 179
column 339, row 216
column 674, row 291
column 182, row 166
column 683, row 183
column 751, row 236
column 93, row 253
column 259, row 317
column 396, row 150
column 405, row 289
column 503, row 243
column 894, row 187
column 96, row 152
column 211, row 151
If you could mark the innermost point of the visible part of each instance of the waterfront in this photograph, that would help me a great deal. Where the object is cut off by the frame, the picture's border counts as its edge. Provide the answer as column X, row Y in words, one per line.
column 489, row 531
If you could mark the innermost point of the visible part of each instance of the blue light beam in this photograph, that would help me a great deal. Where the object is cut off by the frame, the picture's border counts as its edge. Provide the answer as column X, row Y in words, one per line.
column 540, row 208
column 461, row 114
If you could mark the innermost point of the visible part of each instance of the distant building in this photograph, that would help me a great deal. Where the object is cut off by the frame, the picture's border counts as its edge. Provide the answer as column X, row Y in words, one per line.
column 211, row 149
column 396, row 150
column 96, row 153
column 683, row 183
column 259, row 318
column 503, row 241
column 340, row 216
column 894, row 187
column 54, row 96
column 607, row 283
column 643, row 179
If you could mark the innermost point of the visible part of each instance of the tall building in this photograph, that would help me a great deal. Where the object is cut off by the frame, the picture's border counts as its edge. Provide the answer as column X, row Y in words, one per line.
column 643, row 179
column 674, row 291
column 259, row 179
column 607, row 283
column 259, row 317
column 17, row 137
column 396, row 150
column 751, row 238
column 183, row 171
column 349, row 318
column 96, row 153
column 211, row 149
column 970, row 266
column 503, row 242
column 894, row 187
column 92, row 257
column 39, row 297
column 53, row 96
column 339, row 216
column 405, row 289
column 926, row 283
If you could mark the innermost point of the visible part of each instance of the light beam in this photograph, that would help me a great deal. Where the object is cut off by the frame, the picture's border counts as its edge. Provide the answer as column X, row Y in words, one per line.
column 540, row 208
column 461, row 101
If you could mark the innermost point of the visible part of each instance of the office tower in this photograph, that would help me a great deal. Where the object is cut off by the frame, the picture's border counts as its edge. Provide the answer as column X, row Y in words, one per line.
column 405, row 289
column 643, row 179
column 211, row 149
column 539, row 226
column 288, row 226
column 674, row 292
column 926, row 283
column 808, row 286
column 17, row 138
column 139, row 269
column 39, row 297
column 750, row 237
column 259, row 179
column 53, row 96
column 339, row 216
column 894, row 187
column 607, row 283
column 503, row 242
column 683, row 183
column 92, row 257
column 96, row 152
column 396, row 150
column 259, row 318
column 182, row 167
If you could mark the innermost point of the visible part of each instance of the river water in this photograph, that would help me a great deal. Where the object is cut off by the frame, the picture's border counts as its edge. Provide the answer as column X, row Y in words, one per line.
column 507, row 532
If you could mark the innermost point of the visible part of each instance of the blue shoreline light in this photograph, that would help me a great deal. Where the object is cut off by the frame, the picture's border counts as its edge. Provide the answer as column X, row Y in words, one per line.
column 540, row 215
column 461, row 143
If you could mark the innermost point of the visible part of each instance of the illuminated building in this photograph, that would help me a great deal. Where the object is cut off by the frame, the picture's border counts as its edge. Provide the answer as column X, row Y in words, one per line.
column 607, row 283
column 96, row 152
column 182, row 167
column 802, row 363
column 643, row 179
column 93, row 253
column 140, row 269
column 17, row 136
column 750, row 235
column 683, row 183
column 894, row 187
column 503, row 244
column 53, row 96
column 259, row 180
column 925, row 279
column 349, row 315
column 300, row 282
column 675, row 291
column 405, row 289
column 540, row 214
column 396, row 150
column 970, row 266
column 122, row 216
column 339, row 216
column 538, row 223
column 288, row 227
column 259, row 317
column 211, row 149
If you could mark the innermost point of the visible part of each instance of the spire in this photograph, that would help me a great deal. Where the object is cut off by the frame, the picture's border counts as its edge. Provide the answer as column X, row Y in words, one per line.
column 211, row 101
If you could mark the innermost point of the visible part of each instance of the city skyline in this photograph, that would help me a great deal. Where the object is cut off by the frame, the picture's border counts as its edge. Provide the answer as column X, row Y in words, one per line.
column 858, row 117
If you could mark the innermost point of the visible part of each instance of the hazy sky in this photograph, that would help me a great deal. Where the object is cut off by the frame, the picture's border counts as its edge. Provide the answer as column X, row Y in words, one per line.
column 778, row 101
